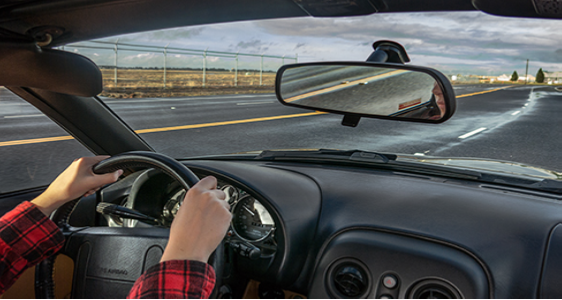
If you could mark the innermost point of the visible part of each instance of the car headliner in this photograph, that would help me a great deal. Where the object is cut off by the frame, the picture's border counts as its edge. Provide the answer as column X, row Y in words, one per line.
column 77, row 20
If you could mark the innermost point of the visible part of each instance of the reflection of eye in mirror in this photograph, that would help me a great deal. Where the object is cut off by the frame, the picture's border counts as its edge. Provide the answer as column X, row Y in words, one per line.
column 364, row 90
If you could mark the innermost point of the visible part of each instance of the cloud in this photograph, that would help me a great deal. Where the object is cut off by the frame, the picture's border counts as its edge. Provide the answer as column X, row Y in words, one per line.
column 250, row 44
column 255, row 46
column 470, row 36
column 164, row 36
column 450, row 40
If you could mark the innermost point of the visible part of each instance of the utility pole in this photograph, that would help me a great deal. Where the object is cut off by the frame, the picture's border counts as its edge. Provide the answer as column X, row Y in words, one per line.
column 205, row 67
column 261, row 70
column 165, row 62
column 527, row 71
column 236, row 70
column 115, row 70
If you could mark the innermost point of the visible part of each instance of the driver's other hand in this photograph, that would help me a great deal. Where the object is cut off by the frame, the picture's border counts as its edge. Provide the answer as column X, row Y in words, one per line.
column 200, row 224
column 77, row 180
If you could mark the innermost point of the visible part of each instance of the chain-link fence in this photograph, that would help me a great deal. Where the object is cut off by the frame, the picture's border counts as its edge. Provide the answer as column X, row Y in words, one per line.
column 127, row 65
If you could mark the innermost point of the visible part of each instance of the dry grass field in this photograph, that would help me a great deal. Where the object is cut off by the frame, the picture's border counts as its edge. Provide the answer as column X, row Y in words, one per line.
column 136, row 83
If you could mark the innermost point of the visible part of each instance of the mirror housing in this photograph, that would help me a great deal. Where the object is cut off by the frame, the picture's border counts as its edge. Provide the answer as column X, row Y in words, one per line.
column 27, row 65
column 365, row 89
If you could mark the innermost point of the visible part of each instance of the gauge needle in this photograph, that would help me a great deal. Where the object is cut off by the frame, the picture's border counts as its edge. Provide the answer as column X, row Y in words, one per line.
column 250, row 211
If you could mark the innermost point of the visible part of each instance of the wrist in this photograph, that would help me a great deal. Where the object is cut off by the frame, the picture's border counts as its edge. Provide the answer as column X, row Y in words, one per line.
column 171, row 253
column 44, row 204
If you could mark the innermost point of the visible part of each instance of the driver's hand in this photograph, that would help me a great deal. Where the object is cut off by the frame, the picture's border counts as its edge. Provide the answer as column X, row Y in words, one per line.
column 77, row 180
column 200, row 224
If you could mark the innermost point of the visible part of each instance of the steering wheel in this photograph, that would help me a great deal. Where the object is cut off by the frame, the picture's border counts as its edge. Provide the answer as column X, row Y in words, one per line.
column 109, row 260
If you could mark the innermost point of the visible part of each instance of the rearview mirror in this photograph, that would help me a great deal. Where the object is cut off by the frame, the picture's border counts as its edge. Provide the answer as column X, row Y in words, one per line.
column 363, row 89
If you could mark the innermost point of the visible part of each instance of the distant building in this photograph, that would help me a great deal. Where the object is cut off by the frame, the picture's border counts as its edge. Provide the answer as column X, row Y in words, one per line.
column 530, row 78
column 553, row 77
column 503, row 77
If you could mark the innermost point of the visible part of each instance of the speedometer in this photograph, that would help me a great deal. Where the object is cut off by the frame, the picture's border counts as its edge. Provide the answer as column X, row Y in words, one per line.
column 251, row 220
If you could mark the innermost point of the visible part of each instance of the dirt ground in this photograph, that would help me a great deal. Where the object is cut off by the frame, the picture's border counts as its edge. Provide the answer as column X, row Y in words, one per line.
column 142, row 83
column 123, row 93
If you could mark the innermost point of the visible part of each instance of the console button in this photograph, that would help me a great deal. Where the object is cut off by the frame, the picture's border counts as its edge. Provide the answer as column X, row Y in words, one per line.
column 389, row 281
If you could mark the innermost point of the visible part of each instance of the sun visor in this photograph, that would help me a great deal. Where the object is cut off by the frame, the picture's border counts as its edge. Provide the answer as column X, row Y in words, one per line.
column 335, row 8
column 27, row 65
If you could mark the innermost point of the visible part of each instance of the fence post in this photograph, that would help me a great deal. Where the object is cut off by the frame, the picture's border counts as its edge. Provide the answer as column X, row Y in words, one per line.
column 283, row 60
column 296, row 58
column 205, row 67
column 165, row 63
column 115, row 69
column 261, row 70
column 236, row 70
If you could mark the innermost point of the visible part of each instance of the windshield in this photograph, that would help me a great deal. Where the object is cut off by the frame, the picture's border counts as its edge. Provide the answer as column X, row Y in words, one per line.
column 209, row 90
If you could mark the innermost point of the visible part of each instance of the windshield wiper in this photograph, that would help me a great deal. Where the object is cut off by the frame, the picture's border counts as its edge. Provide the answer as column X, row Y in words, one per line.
column 326, row 154
column 389, row 162
column 548, row 185
column 368, row 159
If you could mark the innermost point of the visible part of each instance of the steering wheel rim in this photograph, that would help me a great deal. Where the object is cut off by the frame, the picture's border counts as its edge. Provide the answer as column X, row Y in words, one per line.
column 130, row 161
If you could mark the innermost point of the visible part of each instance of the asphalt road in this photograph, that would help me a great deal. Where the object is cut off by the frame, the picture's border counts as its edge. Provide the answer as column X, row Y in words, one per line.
column 514, row 124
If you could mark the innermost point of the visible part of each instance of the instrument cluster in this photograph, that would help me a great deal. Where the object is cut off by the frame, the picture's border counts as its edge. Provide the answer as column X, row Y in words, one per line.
column 252, row 228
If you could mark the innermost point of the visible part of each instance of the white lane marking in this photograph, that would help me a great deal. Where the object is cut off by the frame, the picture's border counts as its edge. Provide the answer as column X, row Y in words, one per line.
column 464, row 136
column 419, row 154
column 252, row 103
column 526, row 104
column 515, row 113
column 23, row 116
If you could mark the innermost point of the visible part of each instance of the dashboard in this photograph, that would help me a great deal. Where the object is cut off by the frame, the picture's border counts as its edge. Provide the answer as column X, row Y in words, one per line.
column 334, row 231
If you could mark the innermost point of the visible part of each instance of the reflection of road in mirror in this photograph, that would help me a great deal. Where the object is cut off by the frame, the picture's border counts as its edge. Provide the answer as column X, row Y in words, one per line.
column 364, row 90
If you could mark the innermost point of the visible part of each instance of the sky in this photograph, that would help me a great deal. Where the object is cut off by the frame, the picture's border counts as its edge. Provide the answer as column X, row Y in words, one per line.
column 454, row 43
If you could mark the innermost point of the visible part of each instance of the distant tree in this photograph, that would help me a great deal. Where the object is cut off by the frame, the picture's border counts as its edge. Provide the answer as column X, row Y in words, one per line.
column 514, row 76
column 540, row 76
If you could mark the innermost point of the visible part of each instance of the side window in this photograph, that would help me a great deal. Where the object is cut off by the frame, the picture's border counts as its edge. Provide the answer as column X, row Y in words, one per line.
column 33, row 148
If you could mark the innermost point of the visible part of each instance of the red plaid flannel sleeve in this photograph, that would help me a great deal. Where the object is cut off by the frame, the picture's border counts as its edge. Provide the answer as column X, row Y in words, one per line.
column 27, row 237
column 175, row 279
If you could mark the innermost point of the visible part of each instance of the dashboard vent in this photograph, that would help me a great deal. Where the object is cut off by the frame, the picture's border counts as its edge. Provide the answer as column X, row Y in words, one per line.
column 348, row 279
column 434, row 289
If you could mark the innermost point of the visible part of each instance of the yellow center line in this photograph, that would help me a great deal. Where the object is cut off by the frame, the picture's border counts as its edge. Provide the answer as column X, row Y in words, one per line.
column 150, row 130
column 346, row 85
column 227, row 122
column 35, row 141
column 483, row 92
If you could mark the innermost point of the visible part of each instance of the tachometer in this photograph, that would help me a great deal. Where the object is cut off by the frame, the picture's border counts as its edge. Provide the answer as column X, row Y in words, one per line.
column 251, row 220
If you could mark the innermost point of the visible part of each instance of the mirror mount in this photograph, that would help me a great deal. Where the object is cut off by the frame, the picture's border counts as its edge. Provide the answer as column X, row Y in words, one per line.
column 350, row 120
column 388, row 52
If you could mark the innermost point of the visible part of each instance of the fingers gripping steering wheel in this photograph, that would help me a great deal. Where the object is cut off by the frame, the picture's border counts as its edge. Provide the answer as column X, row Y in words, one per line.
column 105, row 262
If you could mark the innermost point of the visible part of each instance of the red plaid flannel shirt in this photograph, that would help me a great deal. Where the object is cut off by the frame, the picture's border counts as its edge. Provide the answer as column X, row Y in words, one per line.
column 175, row 279
column 27, row 237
